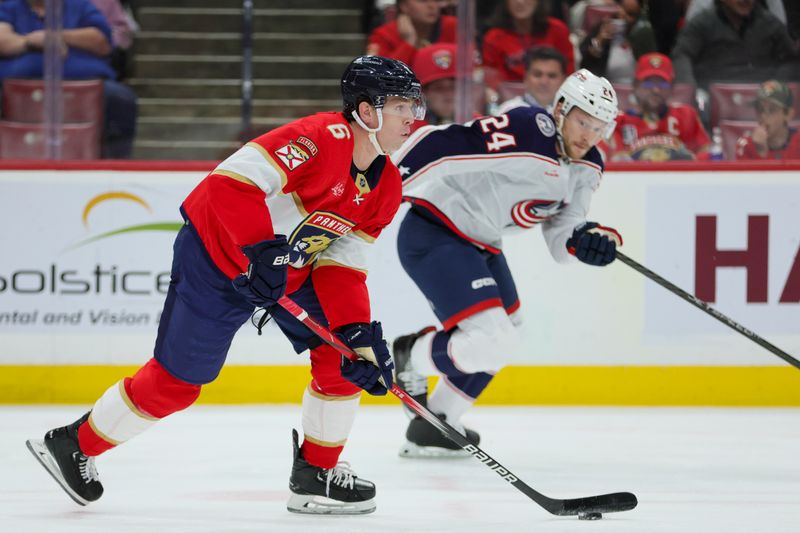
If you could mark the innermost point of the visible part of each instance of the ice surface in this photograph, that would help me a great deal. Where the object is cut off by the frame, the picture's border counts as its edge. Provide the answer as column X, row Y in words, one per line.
column 225, row 469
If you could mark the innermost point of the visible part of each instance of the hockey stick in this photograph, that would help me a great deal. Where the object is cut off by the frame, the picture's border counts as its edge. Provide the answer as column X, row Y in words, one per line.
column 708, row 309
column 589, row 506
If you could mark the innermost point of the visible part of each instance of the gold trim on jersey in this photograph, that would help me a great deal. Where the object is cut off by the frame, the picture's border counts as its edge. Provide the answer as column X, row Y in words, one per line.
column 330, row 262
column 135, row 410
column 263, row 151
column 298, row 203
column 324, row 443
column 101, row 434
column 326, row 398
column 361, row 234
column 268, row 157
column 234, row 176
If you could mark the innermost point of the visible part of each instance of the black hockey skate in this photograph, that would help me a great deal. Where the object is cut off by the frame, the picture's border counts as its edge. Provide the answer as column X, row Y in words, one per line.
column 425, row 441
column 60, row 455
column 337, row 490
column 415, row 384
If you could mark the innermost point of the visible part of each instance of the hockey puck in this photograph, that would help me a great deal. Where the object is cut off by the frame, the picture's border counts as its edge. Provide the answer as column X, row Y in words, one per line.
column 590, row 516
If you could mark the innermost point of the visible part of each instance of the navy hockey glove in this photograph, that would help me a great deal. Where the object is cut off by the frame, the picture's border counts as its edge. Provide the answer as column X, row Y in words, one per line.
column 266, row 276
column 594, row 244
column 376, row 361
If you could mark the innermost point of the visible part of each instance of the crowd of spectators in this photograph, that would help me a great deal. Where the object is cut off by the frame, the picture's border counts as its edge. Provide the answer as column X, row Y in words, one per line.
column 665, row 57
column 95, row 40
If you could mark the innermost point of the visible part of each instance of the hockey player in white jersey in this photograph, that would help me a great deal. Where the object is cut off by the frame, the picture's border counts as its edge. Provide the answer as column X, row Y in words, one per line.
column 469, row 185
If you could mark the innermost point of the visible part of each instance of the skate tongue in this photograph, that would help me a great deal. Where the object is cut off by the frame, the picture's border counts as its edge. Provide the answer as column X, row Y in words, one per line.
column 87, row 469
column 341, row 475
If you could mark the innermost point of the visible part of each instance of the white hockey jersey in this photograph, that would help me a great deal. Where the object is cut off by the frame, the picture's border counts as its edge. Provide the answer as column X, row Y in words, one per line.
column 497, row 175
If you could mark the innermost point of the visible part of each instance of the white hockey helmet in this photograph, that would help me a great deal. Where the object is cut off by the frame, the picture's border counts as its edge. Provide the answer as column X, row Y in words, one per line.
column 591, row 93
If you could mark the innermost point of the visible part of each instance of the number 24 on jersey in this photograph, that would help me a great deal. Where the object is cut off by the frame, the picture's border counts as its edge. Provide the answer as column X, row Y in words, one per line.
column 498, row 139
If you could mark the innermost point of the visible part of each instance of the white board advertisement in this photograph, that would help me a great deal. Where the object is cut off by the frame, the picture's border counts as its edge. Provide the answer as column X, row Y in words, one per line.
column 86, row 256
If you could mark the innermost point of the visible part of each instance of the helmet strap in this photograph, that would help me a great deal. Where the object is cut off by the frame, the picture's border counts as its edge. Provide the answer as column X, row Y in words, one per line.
column 561, row 117
column 372, row 133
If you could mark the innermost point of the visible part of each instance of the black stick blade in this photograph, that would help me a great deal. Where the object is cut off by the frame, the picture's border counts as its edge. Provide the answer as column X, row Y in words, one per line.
column 606, row 503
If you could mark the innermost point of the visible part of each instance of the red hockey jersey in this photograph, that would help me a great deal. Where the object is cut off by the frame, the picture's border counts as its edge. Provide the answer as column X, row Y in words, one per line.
column 503, row 50
column 746, row 149
column 385, row 40
column 679, row 121
column 299, row 180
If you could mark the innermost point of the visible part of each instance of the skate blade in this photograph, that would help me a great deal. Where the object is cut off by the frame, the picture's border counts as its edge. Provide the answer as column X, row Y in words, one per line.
column 415, row 451
column 42, row 454
column 311, row 504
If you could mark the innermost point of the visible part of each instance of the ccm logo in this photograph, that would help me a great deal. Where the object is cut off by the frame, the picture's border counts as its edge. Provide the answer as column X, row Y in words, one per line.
column 281, row 260
column 483, row 282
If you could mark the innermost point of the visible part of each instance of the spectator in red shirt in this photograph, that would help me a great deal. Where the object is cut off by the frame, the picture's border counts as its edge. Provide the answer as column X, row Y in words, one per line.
column 657, row 130
column 518, row 26
column 773, row 138
column 435, row 68
column 419, row 23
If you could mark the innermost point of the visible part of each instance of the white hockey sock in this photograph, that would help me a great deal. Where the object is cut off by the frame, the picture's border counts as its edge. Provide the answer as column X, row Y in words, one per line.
column 449, row 401
column 116, row 419
column 421, row 356
column 327, row 420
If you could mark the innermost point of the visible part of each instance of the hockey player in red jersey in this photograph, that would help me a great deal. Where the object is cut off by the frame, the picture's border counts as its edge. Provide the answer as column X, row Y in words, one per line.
column 657, row 130
column 295, row 211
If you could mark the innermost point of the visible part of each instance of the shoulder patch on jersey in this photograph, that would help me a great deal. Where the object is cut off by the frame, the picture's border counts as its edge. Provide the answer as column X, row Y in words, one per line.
column 292, row 155
column 545, row 124
column 308, row 143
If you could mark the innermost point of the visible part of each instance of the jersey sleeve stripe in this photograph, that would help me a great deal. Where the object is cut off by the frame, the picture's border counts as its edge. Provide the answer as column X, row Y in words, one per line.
column 248, row 162
column 588, row 164
column 235, row 176
column 364, row 236
column 275, row 167
column 434, row 164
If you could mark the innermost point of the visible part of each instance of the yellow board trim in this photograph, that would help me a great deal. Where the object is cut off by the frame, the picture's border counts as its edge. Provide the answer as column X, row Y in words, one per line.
column 774, row 386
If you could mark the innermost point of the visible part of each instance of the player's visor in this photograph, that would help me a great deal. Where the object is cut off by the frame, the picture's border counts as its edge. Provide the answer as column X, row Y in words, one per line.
column 405, row 107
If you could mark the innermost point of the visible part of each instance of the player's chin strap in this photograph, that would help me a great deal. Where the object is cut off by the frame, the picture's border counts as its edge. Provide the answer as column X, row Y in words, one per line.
column 372, row 133
column 562, row 150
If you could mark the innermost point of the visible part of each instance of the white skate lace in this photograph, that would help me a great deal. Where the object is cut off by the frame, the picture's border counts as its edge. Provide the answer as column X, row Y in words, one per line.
column 341, row 475
column 87, row 469
column 413, row 383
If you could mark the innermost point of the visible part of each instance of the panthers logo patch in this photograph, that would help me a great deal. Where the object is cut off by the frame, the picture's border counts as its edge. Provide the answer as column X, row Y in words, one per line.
column 314, row 235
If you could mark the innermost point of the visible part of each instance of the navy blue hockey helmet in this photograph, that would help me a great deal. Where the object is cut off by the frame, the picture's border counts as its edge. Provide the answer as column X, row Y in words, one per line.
column 373, row 78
